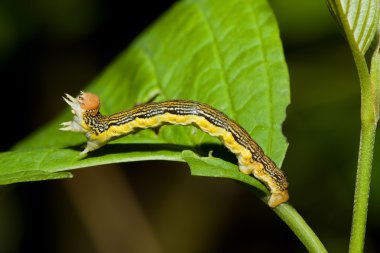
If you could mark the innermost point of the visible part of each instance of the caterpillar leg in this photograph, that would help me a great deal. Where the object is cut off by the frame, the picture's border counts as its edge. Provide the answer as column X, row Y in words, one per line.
column 90, row 146
column 278, row 194
column 71, row 126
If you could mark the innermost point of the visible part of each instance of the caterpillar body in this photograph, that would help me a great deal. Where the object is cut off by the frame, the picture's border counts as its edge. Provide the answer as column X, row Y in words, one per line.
column 100, row 129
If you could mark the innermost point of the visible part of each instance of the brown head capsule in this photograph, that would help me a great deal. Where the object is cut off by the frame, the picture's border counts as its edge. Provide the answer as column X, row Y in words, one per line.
column 89, row 102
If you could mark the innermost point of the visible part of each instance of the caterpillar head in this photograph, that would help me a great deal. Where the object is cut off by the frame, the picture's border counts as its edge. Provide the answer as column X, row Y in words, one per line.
column 84, row 105
column 89, row 102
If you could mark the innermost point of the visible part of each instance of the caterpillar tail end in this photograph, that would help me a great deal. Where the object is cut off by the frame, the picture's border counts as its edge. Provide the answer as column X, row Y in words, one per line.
column 278, row 198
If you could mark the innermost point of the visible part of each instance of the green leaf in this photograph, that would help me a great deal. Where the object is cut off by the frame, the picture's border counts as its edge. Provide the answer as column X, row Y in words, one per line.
column 214, row 167
column 227, row 55
column 46, row 163
column 359, row 20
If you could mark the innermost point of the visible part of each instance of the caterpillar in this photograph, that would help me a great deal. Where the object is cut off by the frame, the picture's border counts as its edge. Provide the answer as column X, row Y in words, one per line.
column 100, row 129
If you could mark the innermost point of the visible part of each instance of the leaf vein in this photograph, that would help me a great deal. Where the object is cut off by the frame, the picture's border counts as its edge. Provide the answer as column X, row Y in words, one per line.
column 270, row 91
column 363, row 30
column 221, row 63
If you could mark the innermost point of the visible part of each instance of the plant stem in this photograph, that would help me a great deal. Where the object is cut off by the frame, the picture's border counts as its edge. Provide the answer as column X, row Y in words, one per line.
column 363, row 180
column 300, row 228
column 367, row 140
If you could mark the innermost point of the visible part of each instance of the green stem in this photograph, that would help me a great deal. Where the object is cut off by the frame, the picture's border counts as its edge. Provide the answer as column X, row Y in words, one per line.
column 300, row 228
column 367, row 138
column 362, row 188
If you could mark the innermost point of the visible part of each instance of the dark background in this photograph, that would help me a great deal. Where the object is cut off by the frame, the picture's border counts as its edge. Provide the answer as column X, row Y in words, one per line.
column 48, row 48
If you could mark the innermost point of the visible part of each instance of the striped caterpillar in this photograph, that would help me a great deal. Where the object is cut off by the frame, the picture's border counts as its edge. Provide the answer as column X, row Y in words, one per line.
column 100, row 129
